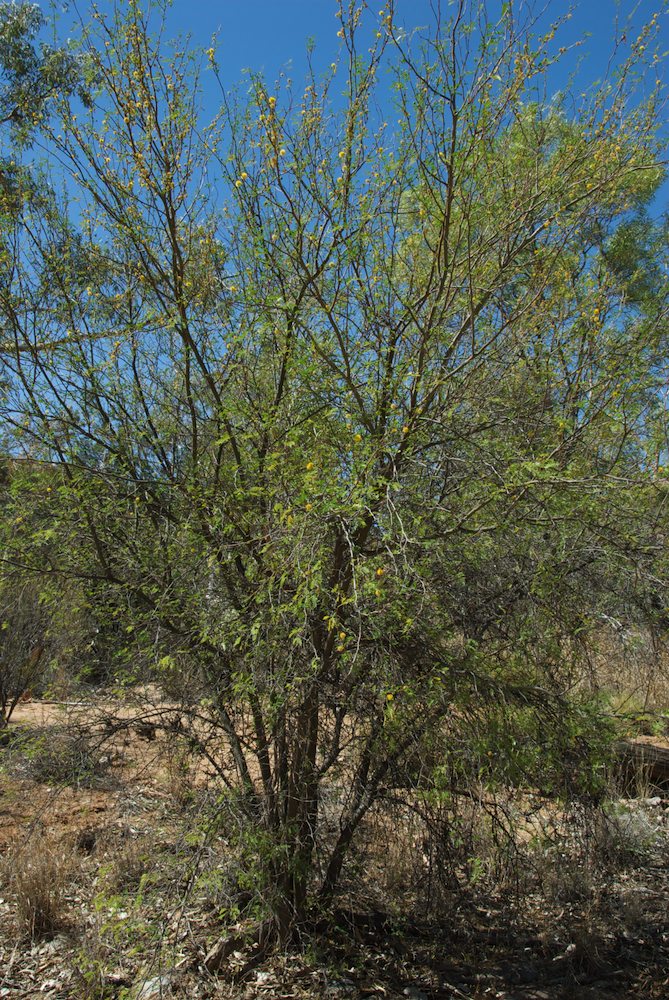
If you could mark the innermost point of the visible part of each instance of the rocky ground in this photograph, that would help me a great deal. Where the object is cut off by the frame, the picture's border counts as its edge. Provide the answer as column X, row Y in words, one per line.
column 109, row 888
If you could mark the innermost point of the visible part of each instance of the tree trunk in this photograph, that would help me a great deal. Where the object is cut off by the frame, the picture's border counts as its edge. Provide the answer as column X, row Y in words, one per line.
column 296, row 834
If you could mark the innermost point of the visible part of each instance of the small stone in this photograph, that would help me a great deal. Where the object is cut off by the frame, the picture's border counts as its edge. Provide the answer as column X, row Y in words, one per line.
column 154, row 988
column 414, row 993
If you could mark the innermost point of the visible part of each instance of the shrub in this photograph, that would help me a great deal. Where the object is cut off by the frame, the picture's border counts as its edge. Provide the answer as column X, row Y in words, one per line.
column 37, row 875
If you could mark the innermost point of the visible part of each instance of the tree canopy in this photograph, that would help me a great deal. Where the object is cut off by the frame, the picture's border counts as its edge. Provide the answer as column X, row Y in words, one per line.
column 356, row 430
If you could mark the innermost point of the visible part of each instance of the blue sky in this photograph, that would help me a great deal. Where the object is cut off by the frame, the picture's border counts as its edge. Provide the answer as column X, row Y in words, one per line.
column 266, row 35
column 271, row 37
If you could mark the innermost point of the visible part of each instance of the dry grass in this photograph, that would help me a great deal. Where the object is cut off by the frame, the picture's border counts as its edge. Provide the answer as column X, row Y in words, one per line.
column 38, row 875
column 632, row 668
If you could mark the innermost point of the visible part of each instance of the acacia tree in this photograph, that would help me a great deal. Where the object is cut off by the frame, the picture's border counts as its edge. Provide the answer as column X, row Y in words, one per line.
column 353, row 422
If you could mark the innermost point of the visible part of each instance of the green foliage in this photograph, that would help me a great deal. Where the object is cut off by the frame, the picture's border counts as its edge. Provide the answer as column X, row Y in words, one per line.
column 31, row 72
column 357, row 429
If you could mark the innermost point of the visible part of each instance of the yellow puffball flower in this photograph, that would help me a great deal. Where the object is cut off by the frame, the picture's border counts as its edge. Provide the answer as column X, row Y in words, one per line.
column 405, row 429
column 272, row 102
column 340, row 649
column 243, row 175
column 390, row 696
column 377, row 593
column 282, row 152
column 238, row 183
column 342, row 635
column 358, row 438
column 380, row 571
column 308, row 506
column 309, row 466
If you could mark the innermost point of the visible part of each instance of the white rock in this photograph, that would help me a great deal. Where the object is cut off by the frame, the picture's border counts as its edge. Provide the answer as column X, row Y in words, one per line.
column 154, row 988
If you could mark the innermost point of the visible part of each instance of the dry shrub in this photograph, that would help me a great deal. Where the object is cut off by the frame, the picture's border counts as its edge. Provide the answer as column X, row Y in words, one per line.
column 38, row 875
column 130, row 866
column 59, row 755
column 632, row 666
column 180, row 774
column 630, row 831
column 425, row 850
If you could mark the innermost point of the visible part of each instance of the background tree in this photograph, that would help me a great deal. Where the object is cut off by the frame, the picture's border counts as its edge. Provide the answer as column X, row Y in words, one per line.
column 352, row 422
column 22, row 644
column 32, row 72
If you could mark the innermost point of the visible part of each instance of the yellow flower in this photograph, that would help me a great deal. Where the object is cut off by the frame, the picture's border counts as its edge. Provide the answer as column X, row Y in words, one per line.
column 308, row 506
column 243, row 175
column 238, row 183
column 405, row 429
column 358, row 438
column 380, row 571
column 282, row 152
column 272, row 102
column 390, row 696
column 342, row 635
column 309, row 466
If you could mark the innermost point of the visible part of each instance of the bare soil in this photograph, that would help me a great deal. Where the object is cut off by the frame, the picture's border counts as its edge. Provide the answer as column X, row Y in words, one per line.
column 137, row 913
